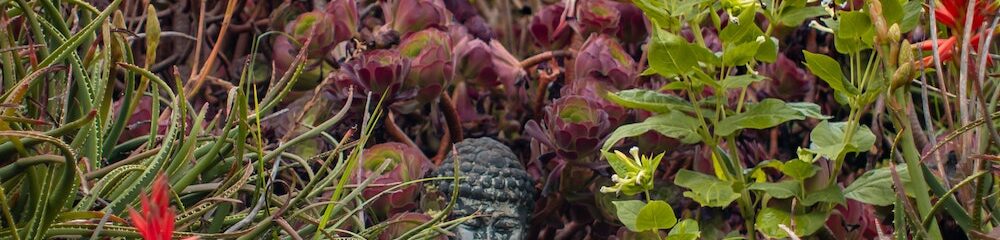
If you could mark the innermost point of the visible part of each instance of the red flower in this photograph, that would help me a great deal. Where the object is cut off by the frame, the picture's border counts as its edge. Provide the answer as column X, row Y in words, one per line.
column 156, row 222
column 951, row 13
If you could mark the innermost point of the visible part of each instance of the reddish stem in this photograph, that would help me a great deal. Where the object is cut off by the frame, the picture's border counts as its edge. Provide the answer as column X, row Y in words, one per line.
column 451, row 117
column 397, row 133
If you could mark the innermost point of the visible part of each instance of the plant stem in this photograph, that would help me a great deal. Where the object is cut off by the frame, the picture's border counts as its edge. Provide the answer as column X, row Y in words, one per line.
column 912, row 157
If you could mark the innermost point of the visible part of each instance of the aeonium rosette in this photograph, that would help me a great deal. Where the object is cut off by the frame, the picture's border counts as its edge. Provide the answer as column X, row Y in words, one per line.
column 346, row 14
column 431, row 67
column 597, row 16
column 406, row 16
column 487, row 66
column 402, row 163
column 378, row 71
column 574, row 126
column 602, row 58
column 544, row 27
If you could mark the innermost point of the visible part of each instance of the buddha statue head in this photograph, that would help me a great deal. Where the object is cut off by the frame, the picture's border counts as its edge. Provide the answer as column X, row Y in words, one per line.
column 495, row 187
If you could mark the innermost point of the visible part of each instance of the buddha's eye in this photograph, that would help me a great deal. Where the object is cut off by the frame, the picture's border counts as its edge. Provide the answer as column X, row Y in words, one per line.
column 474, row 223
column 507, row 223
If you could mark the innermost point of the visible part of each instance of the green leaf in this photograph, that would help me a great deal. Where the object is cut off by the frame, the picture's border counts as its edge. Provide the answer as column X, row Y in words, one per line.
column 805, row 223
column 892, row 10
column 808, row 109
column 649, row 100
column 655, row 215
column 765, row 114
column 912, row 11
column 768, row 51
column 779, row 190
column 831, row 194
column 795, row 16
column 656, row 11
column 745, row 31
column 739, row 54
column 829, row 71
column 706, row 190
column 687, row 229
column 828, row 139
column 674, row 124
column 875, row 187
column 616, row 163
column 850, row 45
column 854, row 24
column 799, row 169
column 628, row 211
column 740, row 81
column 671, row 55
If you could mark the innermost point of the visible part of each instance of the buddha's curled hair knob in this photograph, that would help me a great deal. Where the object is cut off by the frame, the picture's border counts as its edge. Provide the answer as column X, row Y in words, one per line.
column 494, row 185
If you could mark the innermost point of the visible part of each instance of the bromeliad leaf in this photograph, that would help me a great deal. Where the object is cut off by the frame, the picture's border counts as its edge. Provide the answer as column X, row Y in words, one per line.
column 829, row 71
column 649, row 100
column 828, row 139
column 875, row 187
column 628, row 211
column 654, row 216
column 706, row 190
column 674, row 124
column 765, row 114
column 687, row 229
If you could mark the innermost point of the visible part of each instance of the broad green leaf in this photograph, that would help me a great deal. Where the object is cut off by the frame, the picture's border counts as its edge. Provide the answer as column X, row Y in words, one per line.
column 808, row 109
column 799, row 169
column 616, row 163
column 892, row 11
column 706, row 190
column 687, row 229
column 765, row 114
column 828, row 139
column 627, row 212
column 740, row 33
column 656, row 11
column 671, row 55
column 654, row 216
column 829, row 71
column 805, row 223
column 912, row 12
column 740, row 81
column 795, row 16
column 768, row 51
column 875, row 187
column 739, row 54
column 674, row 124
column 649, row 100
column 779, row 190
column 854, row 24
column 850, row 45
column 831, row 194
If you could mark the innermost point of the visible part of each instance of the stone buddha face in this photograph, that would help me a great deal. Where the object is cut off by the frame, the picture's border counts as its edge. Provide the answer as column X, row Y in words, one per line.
column 496, row 189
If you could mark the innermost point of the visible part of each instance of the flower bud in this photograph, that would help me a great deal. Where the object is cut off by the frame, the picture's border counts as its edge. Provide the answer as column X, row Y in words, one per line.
column 902, row 76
